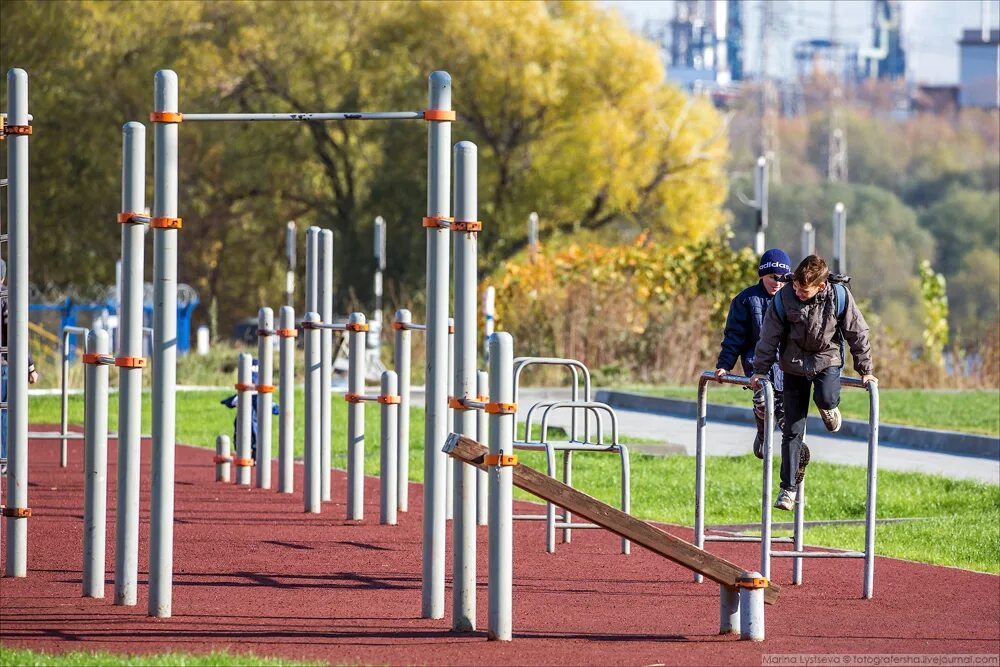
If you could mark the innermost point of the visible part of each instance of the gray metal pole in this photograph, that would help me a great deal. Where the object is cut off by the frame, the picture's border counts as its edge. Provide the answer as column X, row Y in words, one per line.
column 64, row 390
column 760, row 196
column 95, row 469
column 699, row 474
column 291, row 244
column 402, row 364
column 765, row 501
column 729, row 610
column 752, row 607
column 265, row 395
column 798, row 532
column 17, row 511
column 310, row 480
column 464, row 384
column 388, row 468
column 873, row 420
column 839, row 238
column 324, row 298
column 375, row 333
column 244, row 416
column 533, row 237
column 482, row 435
column 223, row 458
column 501, row 534
column 356, row 417
column 449, row 472
column 312, row 270
column 436, row 375
column 130, row 367
column 808, row 240
column 286, row 396
column 161, row 537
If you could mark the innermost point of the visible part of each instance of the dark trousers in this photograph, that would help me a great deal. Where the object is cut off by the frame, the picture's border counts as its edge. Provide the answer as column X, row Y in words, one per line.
column 825, row 386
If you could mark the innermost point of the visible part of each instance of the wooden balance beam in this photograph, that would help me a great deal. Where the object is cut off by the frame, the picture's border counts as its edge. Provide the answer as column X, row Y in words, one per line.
column 618, row 522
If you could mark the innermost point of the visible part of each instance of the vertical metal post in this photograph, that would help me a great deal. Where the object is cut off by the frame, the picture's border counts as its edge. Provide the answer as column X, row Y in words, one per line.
column 374, row 339
column 839, row 239
column 291, row 244
column 286, row 397
column 501, row 543
column 388, row 468
column 17, row 325
column 449, row 483
column 699, row 474
column 533, row 237
column 223, row 451
column 95, row 469
column 324, row 298
column 751, row 607
column 798, row 531
column 464, row 386
column 729, row 610
column 312, row 270
column 356, row 418
column 310, row 479
column 489, row 318
column 265, row 395
column 808, row 240
column 161, row 539
column 765, row 506
column 760, row 197
column 130, row 377
column 873, row 419
column 244, row 417
column 402, row 364
column 436, row 375
column 482, row 479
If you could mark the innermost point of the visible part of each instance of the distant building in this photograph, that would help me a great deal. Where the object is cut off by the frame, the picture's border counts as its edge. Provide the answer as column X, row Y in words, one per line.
column 890, row 59
column 935, row 99
column 979, row 69
column 702, row 44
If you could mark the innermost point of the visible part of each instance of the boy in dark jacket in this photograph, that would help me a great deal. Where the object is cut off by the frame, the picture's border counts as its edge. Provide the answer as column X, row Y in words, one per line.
column 810, row 331
column 743, row 325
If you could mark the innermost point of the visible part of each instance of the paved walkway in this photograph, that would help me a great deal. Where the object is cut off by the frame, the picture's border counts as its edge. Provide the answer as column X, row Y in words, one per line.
column 676, row 435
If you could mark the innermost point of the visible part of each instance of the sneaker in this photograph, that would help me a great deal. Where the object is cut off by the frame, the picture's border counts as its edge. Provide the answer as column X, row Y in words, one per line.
column 758, row 445
column 786, row 500
column 803, row 462
column 831, row 419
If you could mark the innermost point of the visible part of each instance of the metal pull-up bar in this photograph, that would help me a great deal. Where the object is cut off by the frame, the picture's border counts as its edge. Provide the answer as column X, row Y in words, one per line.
column 433, row 114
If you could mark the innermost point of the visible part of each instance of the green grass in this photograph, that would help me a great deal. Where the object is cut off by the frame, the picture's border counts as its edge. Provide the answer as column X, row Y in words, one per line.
column 958, row 521
column 15, row 657
column 970, row 411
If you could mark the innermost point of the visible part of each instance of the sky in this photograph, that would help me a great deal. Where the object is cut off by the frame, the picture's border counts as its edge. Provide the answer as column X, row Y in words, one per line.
column 932, row 29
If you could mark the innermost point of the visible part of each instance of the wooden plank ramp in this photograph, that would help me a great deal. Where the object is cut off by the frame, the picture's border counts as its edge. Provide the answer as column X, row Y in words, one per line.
column 618, row 522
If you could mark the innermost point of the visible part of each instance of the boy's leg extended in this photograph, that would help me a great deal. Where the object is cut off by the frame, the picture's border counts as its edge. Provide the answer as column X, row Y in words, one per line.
column 826, row 388
column 796, row 404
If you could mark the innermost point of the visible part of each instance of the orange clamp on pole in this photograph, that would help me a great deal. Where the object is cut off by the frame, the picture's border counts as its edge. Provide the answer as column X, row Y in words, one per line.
column 165, row 223
column 467, row 226
column 353, row 398
column 356, row 326
column 17, row 512
column 222, row 459
column 439, row 114
column 265, row 332
column 17, row 130
column 166, row 117
column 242, row 386
column 501, row 408
column 456, row 403
column 244, row 463
column 130, row 362
column 501, row 460
column 287, row 333
column 752, row 582
column 438, row 221
column 265, row 389
column 127, row 216
column 388, row 399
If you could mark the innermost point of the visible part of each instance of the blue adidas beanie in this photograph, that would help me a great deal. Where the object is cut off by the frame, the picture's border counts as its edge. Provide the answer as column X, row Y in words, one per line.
column 774, row 260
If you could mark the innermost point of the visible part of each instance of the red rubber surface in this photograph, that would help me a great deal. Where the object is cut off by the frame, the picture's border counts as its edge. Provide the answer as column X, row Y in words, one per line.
column 252, row 572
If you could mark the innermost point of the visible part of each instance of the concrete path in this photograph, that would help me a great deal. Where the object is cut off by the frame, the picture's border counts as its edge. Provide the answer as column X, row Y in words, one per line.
column 676, row 435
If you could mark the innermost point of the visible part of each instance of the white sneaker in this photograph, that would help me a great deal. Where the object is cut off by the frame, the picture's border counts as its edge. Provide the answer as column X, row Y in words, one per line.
column 831, row 419
column 786, row 500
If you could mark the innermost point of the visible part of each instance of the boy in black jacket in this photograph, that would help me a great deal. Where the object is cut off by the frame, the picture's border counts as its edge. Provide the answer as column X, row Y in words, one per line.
column 743, row 326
